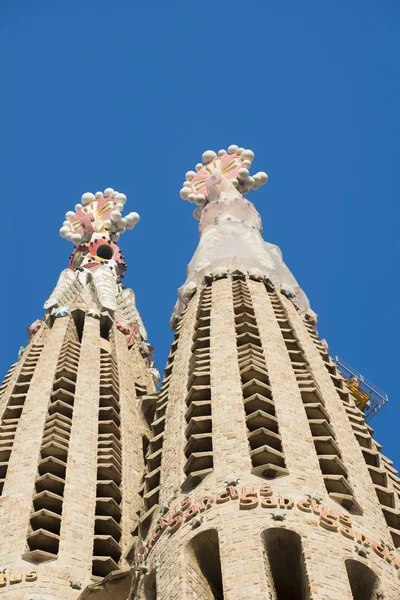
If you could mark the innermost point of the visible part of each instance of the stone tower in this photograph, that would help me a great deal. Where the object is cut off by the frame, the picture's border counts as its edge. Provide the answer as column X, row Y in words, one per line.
column 70, row 433
column 262, row 477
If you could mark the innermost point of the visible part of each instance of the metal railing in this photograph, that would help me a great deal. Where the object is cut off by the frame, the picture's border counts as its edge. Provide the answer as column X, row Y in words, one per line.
column 369, row 398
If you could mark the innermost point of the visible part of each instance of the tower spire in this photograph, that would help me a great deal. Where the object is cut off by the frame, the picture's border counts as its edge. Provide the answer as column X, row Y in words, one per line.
column 230, row 226
column 93, row 279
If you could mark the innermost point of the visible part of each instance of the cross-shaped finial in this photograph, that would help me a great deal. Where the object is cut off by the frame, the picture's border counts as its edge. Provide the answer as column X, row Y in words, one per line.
column 233, row 164
column 98, row 213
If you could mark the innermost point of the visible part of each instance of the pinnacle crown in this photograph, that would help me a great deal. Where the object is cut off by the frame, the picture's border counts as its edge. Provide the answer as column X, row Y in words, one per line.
column 99, row 213
column 233, row 164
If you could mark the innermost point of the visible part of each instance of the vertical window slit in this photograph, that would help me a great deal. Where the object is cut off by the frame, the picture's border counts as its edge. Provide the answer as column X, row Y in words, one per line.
column 198, row 432
column 107, row 529
column 13, row 410
column 265, row 443
column 45, row 521
column 333, row 470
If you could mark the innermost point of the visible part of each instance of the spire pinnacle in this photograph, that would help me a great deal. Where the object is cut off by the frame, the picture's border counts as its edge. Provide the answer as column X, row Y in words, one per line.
column 233, row 165
column 99, row 213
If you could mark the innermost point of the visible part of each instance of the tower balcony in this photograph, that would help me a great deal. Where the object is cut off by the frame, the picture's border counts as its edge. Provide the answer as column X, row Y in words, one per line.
column 262, row 437
column 259, row 402
column 108, row 488
column 44, row 541
column 199, row 442
column 266, row 454
column 198, row 425
column 108, row 507
column 47, row 520
column 48, row 500
column 53, row 465
column 198, row 462
column 106, row 525
column 50, row 482
column 198, row 409
column 260, row 418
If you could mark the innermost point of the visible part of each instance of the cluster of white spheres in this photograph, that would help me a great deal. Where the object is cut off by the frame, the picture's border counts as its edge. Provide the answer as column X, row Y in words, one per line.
column 244, row 182
column 116, row 225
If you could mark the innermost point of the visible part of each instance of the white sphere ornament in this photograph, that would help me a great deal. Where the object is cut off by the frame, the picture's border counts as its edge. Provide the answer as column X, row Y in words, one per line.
column 192, row 197
column 69, row 214
column 247, row 164
column 69, row 236
column 64, row 231
column 248, row 155
column 114, row 237
column 66, row 224
column 242, row 174
column 135, row 217
column 115, row 215
column 119, row 207
column 189, row 175
column 76, row 238
column 221, row 152
column 233, row 149
column 208, row 156
column 199, row 166
column 107, row 223
column 87, row 198
column 263, row 177
column 78, row 207
column 121, row 224
column 235, row 182
column 184, row 193
column 187, row 184
column 197, row 213
column 108, row 192
column 120, row 198
column 98, row 194
column 240, row 150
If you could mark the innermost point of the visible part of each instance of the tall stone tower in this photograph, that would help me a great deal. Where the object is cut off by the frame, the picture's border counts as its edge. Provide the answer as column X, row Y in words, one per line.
column 70, row 432
column 262, row 477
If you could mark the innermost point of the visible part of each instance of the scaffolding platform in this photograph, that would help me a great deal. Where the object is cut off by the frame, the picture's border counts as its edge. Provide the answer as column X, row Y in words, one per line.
column 369, row 398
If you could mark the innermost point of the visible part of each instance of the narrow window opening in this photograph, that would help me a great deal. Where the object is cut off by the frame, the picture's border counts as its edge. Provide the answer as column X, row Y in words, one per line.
column 150, row 587
column 79, row 320
column 204, row 567
column 285, row 555
column 105, row 326
column 365, row 585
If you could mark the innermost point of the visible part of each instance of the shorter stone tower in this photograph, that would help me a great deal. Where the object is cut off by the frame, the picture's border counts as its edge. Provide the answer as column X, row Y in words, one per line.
column 262, row 478
column 70, row 433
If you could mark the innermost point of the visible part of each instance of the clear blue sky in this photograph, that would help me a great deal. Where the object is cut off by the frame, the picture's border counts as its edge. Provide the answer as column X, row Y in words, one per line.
column 128, row 95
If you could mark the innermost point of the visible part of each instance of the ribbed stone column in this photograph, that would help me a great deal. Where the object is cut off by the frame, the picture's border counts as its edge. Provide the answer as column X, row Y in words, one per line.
column 173, row 457
column 132, row 429
column 230, row 445
column 77, row 525
column 349, row 447
column 302, row 462
column 22, row 470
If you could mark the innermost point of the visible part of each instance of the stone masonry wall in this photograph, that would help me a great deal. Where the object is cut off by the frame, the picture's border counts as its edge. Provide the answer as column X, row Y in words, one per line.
column 245, row 573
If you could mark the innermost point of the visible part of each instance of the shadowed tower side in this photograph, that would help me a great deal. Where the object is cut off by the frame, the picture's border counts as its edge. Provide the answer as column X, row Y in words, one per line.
column 261, row 464
column 71, row 434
